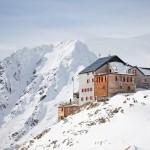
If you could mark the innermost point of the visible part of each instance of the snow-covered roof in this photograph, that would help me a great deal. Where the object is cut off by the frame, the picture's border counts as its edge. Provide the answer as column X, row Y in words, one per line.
column 146, row 71
column 118, row 67
column 71, row 105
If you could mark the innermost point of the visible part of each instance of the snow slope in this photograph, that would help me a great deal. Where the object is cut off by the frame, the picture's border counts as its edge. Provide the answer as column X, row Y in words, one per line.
column 120, row 124
column 32, row 83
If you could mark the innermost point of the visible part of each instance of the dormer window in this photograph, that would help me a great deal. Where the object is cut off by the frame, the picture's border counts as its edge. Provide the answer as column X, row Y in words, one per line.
column 134, row 72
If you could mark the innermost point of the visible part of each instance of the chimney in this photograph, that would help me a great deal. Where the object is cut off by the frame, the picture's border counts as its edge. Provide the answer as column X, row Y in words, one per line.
column 70, row 102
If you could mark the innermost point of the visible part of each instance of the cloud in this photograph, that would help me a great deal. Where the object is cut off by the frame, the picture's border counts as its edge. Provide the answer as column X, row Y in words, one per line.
column 135, row 50
column 31, row 22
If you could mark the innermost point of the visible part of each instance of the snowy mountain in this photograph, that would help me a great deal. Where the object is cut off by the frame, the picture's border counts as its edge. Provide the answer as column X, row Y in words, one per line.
column 122, row 123
column 32, row 83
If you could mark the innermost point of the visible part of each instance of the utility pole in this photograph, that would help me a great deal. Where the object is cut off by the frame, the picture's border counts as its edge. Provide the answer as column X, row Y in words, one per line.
column 73, row 88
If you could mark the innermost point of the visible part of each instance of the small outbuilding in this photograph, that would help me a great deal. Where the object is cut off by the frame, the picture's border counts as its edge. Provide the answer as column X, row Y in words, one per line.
column 141, row 76
column 67, row 109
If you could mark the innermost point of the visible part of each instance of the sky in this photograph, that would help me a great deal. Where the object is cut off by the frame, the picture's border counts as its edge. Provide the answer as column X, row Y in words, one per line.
column 28, row 23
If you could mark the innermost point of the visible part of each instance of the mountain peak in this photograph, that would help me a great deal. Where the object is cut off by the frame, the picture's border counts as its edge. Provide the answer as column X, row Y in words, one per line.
column 33, row 82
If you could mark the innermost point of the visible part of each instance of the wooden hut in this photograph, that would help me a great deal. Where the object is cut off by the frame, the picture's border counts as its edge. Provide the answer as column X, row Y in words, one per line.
column 67, row 109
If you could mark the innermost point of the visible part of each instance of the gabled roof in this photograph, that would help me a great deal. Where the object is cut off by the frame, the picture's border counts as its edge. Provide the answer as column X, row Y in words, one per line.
column 144, row 71
column 137, row 69
column 101, row 62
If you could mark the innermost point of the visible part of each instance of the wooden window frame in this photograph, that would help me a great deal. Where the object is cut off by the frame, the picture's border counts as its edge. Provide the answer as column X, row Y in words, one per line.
column 102, row 79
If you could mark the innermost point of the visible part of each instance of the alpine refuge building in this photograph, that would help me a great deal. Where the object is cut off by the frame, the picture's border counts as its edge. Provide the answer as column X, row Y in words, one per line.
column 142, row 76
column 105, row 77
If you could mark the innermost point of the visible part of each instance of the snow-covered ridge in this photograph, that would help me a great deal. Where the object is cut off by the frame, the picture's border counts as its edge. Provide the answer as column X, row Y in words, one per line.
column 122, row 123
column 33, row 82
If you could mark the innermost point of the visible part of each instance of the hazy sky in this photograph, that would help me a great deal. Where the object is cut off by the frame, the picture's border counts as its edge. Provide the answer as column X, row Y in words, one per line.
column 34, row 22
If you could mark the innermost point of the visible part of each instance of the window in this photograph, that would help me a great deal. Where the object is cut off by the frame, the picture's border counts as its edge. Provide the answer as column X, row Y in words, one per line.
column 90, row 89
column 62, row 109
column 130, row 79
column 96, row 79
column 120, row 87
column 91, row 98
column 144, row 81
column 88, row 81
column 82, row 90
column 127, row 79
column 116, row 78
column 86, row 98
column 124, row 79
column 99, row 79
column 88, row 73
column 134, row 72
column 103, row 87
column 102, row 79
column 129, row 88
column 93, row 80
column 82, row 98
column 105, row 78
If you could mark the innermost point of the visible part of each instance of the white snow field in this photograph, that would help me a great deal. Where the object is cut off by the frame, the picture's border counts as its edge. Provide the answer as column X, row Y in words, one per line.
column 120, row 124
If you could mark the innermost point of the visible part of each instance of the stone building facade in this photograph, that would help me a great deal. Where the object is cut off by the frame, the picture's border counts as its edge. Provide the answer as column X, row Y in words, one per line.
column 142, row 76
